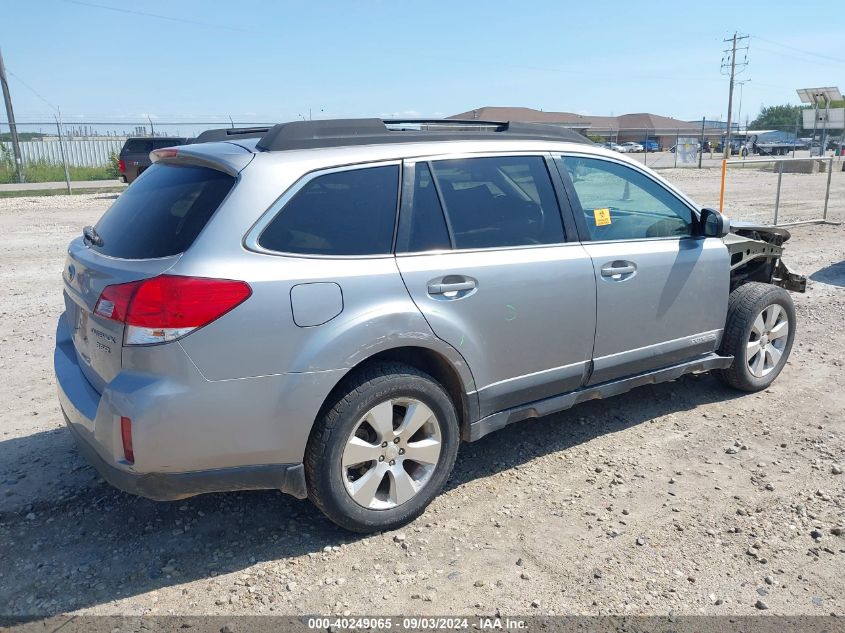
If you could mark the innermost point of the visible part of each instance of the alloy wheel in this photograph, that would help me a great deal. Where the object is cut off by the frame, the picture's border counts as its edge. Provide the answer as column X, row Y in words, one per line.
column 391, row 453
column 769, row 335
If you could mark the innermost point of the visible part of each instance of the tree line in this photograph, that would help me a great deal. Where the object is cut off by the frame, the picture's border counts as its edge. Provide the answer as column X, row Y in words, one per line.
column 786, row 117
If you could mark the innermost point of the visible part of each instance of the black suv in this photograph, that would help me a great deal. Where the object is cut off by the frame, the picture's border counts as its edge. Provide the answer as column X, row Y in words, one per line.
column 135, row 154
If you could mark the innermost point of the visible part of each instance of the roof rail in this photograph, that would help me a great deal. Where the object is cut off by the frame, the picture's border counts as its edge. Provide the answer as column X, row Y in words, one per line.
column 229, row 134
column 346, row 132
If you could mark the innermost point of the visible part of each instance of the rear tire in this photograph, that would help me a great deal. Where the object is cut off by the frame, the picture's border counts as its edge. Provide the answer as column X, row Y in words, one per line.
column 383, row 449
column 759, row 332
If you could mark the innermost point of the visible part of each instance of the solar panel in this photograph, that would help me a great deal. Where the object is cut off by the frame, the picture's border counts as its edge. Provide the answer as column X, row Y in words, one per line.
column 819, row 95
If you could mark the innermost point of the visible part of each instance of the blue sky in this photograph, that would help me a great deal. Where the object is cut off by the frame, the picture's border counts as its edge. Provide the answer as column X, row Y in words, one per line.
column 272, row 61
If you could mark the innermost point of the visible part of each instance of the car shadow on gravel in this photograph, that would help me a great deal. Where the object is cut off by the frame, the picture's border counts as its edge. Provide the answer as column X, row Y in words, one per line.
column 68, row 540
column 833, row 275
column 523, row 441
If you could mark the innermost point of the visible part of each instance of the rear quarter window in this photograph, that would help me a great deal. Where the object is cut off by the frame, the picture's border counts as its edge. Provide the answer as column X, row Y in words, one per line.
column 162, row 213
column 349, row 212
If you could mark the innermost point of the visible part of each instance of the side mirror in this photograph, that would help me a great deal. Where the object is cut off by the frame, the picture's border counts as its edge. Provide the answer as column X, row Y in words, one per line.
column 711, row 223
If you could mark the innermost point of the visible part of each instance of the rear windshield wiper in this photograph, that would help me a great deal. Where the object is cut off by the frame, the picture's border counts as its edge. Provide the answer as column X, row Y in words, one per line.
column 90, row 234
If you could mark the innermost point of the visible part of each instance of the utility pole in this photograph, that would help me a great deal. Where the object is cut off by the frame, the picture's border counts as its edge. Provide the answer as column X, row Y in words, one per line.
column 62, row 149
column 10, row 116
column 729, row 61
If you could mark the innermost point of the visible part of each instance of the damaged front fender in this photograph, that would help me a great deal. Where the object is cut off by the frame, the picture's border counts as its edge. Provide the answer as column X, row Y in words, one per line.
column 756, row 255
column 785, row 277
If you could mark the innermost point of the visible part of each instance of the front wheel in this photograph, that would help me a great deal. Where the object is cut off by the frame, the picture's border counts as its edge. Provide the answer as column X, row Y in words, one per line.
column 759, row 332
column 384, row 450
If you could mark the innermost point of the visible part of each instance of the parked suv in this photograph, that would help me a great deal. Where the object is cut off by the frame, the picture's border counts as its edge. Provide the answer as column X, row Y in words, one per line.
column 135, row 154
column 329, row 309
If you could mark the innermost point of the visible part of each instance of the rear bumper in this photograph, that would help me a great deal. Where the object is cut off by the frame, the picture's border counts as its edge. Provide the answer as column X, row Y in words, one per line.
column 190, row 435
column 289, row 478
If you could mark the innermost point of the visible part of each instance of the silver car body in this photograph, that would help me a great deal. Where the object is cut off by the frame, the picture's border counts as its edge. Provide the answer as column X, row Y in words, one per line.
column 231, row 405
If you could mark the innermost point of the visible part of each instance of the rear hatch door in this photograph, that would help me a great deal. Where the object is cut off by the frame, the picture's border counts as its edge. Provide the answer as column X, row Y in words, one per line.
column 143, row 234
column 99, row 341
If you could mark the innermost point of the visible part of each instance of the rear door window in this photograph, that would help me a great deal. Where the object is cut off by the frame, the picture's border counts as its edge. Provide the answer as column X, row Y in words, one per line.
column 500, row 201
column 349, row 212
column 162, row 213
column 427, row 230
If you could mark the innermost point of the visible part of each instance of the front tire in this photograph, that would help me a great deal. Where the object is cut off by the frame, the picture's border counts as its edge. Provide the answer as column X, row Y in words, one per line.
column 383, row 449
column 759, row 332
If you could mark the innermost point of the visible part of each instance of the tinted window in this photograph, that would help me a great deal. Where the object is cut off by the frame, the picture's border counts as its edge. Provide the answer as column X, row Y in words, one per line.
column 167, row 142
column 499, row 201
column 162, row 213
column 428, row 230
column 621, row 203
column 349, row 212
column 137, row 146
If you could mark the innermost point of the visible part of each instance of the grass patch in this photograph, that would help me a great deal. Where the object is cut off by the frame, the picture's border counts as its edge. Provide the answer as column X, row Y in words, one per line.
column 58, row 192
column 45, row 172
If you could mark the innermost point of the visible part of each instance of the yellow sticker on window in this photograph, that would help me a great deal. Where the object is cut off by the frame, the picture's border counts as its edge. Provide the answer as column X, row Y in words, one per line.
column 602, row 216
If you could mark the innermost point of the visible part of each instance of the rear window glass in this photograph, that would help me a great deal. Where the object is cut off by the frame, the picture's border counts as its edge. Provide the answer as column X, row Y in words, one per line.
column 167, row 142
column 162, row 213
column 350, row 212
column 137, row 145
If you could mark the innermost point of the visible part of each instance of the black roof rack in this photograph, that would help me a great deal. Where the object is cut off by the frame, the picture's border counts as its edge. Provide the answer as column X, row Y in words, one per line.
column 229, row 134
column 346, row 132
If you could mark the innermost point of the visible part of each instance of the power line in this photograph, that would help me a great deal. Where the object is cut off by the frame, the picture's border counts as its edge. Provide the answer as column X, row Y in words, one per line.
column 797, row 57
column 800, row 50
column 156, row 15
column 32, row 90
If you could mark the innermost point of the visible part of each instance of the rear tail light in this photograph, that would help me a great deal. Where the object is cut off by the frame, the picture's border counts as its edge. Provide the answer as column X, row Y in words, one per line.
column 126, row 437
column 168, row 307
column 121, row 165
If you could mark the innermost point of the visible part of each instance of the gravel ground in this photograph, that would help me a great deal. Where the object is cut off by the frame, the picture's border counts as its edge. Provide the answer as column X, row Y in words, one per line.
column 683, row 497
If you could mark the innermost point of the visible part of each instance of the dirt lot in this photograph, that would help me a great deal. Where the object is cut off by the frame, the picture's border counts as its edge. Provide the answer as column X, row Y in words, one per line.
column 684, row 497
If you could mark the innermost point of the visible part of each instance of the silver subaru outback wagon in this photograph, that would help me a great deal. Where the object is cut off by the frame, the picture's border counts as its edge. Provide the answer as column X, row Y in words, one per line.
column 329, row 308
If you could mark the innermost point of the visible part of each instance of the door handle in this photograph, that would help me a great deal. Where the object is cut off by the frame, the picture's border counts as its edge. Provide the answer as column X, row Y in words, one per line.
column 458, row 286
column 619, row 270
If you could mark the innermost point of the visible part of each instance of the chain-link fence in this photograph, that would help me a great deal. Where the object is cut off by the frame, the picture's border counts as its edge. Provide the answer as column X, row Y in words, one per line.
column 704, row 146
column 81, row 152
column 763, row 183
column 84, row 151
column 90, row 149
column 784, row 190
